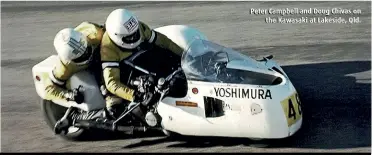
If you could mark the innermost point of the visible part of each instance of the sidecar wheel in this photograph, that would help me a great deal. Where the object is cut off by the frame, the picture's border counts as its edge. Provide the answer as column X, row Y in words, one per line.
column 53, row 112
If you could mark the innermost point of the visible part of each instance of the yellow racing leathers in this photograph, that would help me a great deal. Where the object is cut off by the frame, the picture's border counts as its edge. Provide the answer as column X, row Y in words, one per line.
column 112, row 55
column 62, row 71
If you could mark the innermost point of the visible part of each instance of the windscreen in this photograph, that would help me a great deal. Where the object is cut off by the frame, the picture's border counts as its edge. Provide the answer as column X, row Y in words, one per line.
column 202, row 57
column 206, row 61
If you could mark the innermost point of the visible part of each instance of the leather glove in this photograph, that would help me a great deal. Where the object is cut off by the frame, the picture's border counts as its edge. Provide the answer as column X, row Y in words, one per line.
column 145, row 98
column 75, row 95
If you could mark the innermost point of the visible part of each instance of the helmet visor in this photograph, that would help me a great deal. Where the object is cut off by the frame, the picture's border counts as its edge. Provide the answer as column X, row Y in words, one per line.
column 85, row 56
column 131, row 38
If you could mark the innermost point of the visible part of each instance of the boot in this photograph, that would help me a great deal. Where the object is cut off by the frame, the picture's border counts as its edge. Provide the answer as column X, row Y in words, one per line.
column 64, row 123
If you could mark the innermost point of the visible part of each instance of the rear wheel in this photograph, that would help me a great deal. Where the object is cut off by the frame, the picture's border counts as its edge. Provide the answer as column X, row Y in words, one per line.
column 52, row 113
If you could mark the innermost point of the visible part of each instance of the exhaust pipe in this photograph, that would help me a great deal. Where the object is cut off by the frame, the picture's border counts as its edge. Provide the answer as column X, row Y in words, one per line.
column 109, row 126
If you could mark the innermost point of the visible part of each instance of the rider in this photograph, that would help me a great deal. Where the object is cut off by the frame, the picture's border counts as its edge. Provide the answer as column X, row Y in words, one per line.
column 77, row 49
column 126, row 35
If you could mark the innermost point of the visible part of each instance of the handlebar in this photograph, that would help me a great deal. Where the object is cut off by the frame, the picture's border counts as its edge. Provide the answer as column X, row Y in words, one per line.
column 161, row 81
column 159, row 87
column 168, row 78
column 139, row 68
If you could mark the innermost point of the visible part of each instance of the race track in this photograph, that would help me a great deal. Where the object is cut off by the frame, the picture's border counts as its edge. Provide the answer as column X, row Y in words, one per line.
column 330, row 65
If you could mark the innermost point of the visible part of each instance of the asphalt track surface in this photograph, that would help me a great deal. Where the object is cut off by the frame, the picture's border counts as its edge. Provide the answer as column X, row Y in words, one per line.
column 330, row 65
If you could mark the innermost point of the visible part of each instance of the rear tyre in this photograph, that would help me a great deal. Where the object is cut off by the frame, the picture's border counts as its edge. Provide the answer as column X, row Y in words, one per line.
column 52, row 113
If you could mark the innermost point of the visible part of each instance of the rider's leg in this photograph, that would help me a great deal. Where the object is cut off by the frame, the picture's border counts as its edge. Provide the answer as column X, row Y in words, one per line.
column 114, row 107
column 73, row 114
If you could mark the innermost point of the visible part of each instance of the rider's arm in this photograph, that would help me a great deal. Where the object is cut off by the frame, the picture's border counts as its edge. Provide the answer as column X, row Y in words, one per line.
column 55, row 92
column 57, row 79
column 161, row 40
column 92, row 31
column 111, row 73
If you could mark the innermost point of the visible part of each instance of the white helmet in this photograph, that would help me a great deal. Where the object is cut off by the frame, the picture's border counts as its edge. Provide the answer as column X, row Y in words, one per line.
column 122, row 27
column 71, row 46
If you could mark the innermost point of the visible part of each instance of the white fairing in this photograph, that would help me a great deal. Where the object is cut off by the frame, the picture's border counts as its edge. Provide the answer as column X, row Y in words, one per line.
column 180, row 34
column 93, row 97
column 249, row 109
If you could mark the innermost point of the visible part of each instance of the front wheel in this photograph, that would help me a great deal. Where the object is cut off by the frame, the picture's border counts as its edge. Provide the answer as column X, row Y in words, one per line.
column 52, row 112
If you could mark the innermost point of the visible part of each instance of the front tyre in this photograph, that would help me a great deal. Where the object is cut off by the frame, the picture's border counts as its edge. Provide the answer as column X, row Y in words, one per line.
column 52, row 113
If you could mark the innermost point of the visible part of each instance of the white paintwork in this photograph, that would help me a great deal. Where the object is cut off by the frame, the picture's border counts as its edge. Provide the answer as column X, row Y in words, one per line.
column 42, row 67
column 92, row 92
column 182, row 35
column 238, row 120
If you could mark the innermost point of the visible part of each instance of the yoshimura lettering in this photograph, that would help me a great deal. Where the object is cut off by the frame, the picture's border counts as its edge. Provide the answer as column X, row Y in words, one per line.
column 243, row 93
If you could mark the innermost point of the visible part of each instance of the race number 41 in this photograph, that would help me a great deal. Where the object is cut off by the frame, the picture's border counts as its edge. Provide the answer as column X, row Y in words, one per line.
column 292, row 108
